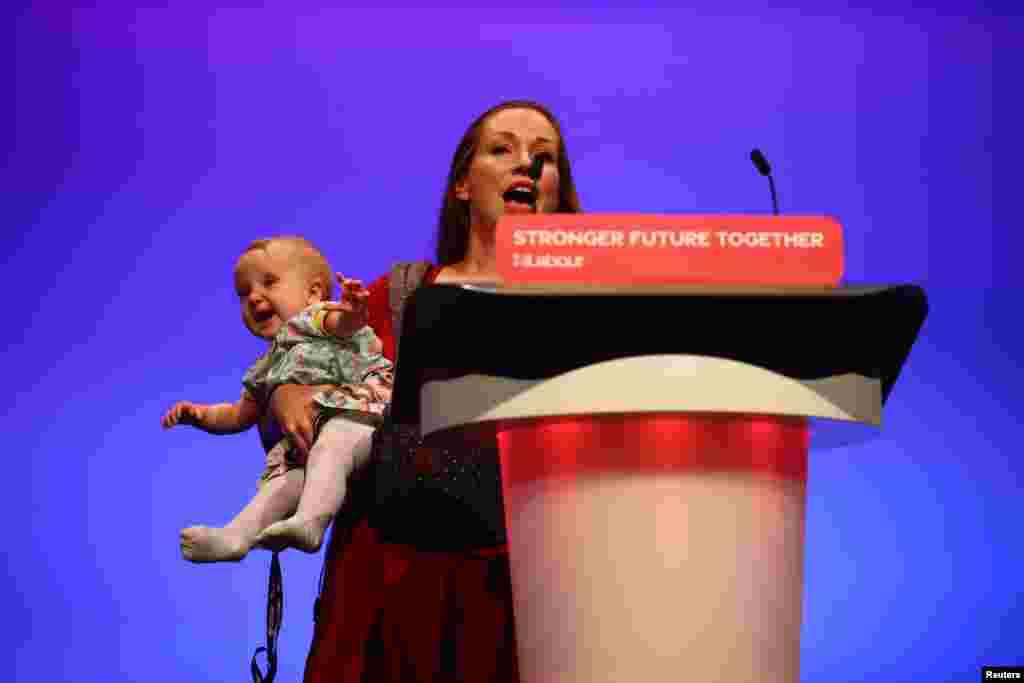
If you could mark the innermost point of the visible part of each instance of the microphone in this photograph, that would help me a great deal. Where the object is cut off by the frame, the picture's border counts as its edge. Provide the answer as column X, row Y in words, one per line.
column 535, row 171
column 762, row 164
column 536, row 167
column 765, row 169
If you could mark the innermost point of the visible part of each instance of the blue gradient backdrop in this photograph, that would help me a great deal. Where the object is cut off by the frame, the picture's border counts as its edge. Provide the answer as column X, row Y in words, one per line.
column 148, row 146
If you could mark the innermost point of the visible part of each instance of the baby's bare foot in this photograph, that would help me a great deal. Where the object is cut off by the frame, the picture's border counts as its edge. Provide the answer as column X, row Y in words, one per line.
column 306, row 535
column 206, row 544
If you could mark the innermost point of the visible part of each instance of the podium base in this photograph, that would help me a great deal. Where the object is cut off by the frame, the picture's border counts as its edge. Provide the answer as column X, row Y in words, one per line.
column 656, row 548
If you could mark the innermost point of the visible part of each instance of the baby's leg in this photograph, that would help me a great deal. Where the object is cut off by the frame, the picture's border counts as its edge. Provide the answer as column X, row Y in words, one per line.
column 275, row 500
column 342, row 446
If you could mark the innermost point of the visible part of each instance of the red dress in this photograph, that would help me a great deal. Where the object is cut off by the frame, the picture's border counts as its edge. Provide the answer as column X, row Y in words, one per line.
column 391, row 614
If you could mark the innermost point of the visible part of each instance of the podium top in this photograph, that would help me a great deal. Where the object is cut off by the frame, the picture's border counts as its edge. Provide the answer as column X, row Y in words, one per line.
column 450, row 331
column 680, row 289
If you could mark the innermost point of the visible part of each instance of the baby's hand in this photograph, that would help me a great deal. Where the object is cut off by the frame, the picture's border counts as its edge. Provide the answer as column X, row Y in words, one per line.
column 183, row 412
column 353, row 292
column 353, row 305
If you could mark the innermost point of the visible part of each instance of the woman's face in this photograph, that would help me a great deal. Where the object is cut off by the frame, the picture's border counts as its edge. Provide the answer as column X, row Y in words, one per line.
column 509, row 140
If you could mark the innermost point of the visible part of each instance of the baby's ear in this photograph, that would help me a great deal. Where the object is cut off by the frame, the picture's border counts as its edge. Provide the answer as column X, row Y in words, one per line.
column 317, row 292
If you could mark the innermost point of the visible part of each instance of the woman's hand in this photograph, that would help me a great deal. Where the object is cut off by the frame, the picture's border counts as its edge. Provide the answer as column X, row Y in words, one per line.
column 292, row 407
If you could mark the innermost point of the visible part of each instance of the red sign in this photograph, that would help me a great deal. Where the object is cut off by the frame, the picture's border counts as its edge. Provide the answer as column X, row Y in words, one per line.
column 617, row 249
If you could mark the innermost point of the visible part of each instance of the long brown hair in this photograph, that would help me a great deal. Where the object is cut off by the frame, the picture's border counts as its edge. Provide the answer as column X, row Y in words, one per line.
column 453, row 224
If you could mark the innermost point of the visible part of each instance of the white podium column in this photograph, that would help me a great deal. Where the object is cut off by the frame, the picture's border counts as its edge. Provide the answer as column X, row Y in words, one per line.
column 656, row 549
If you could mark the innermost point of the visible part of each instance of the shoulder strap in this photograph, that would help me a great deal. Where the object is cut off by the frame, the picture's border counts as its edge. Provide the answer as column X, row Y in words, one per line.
column 406, row 276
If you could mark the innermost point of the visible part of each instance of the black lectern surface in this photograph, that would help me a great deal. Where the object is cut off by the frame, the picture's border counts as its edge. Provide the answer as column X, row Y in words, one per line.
column 439, row 499
column 449, row 331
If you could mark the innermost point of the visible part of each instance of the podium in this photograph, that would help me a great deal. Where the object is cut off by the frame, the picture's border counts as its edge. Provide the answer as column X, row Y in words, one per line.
column 653, row 450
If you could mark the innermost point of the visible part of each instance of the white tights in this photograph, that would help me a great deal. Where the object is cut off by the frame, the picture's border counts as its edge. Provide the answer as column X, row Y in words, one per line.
column 311, row 497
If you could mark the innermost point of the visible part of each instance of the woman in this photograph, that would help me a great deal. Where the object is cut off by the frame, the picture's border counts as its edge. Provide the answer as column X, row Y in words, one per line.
column 388, row 612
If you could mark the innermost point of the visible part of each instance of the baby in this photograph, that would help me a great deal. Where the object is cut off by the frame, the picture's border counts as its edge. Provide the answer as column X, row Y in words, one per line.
column 285, row 288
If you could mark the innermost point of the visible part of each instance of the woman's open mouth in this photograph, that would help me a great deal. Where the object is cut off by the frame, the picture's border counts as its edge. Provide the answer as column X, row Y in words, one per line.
column 519, row 198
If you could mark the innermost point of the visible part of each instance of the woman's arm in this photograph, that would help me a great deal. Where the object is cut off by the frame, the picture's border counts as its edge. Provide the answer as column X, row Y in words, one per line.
column 292, row 404
column 292, row 407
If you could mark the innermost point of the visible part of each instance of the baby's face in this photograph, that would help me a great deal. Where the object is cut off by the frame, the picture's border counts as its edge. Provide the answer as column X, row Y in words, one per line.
column 272, row 286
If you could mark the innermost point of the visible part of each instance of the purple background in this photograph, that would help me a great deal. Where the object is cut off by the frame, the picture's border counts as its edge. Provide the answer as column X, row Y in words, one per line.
column 149, row 146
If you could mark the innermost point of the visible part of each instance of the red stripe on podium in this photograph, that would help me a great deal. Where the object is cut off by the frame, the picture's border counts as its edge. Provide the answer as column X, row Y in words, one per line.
column 568, row 447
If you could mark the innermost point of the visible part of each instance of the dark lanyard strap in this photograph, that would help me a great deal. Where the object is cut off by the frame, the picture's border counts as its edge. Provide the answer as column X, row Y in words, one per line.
column 275, row 607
